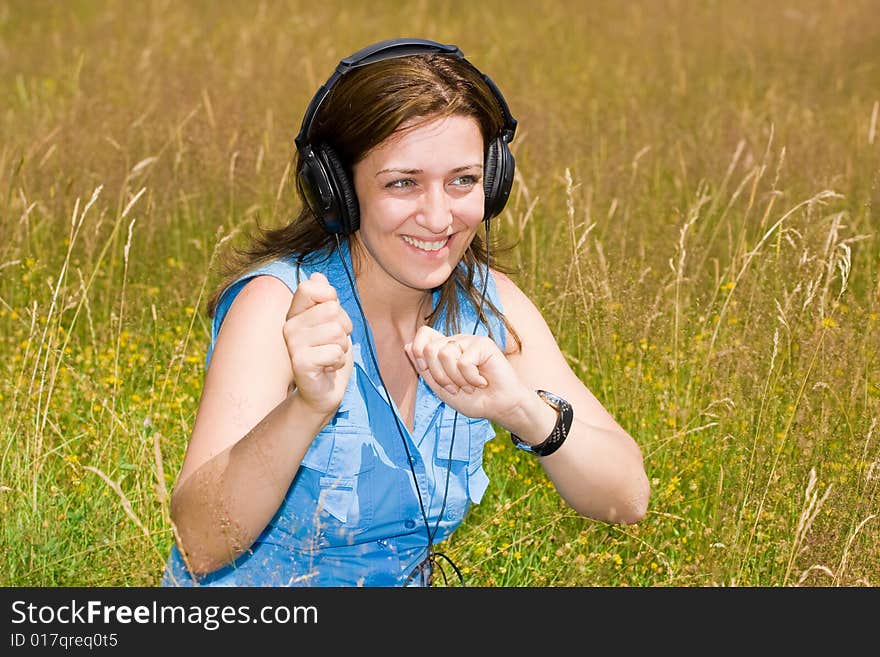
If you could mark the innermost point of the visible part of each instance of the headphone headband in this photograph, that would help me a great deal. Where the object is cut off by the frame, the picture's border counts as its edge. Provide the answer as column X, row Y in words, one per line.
column 391, row 49
column 397, row 48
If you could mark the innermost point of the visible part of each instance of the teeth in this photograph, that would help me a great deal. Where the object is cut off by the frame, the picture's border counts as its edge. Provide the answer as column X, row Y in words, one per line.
column 425, row 246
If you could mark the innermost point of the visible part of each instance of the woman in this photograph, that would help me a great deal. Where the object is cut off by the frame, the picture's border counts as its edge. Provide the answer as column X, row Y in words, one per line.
column 341, row 427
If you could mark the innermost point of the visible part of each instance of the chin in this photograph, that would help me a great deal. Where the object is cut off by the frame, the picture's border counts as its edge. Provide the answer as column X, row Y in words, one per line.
column 431, row 280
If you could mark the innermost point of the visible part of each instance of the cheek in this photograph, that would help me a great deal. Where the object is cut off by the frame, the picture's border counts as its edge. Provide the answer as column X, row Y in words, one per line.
column 471, row 207
column 385, row 214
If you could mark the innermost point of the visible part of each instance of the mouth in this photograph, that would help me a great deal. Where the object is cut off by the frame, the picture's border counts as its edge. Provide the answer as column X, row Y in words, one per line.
column 425, row 246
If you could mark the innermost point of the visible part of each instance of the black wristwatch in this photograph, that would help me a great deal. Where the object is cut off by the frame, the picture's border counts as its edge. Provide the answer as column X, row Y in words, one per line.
column 565, row 415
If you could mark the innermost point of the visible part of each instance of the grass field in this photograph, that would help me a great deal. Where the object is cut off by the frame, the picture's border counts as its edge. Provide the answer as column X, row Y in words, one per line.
column 695, row 213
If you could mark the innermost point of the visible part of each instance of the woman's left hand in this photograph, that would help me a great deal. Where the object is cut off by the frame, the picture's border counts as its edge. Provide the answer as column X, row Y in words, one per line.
column 468, row 373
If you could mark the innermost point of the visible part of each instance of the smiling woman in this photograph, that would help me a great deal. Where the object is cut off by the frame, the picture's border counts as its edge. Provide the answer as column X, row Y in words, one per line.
column 370, row 348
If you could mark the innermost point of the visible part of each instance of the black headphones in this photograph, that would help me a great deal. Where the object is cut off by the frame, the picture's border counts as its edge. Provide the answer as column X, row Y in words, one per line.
column 322, row 178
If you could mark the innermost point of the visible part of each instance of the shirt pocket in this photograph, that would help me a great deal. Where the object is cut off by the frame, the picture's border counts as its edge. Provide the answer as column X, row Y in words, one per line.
column 466, row 455
column 340, row 465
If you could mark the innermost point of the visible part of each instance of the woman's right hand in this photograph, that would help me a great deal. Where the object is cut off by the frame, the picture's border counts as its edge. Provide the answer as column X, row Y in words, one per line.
column 317, row 333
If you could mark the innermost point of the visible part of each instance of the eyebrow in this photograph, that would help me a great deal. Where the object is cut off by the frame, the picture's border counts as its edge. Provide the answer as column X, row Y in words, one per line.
column 413, row 172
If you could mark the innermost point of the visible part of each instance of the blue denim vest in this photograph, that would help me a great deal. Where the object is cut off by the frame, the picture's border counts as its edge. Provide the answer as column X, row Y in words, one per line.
column 351, row 516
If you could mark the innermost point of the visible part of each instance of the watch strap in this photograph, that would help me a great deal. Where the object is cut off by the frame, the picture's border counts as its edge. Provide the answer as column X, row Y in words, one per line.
column 564, row 418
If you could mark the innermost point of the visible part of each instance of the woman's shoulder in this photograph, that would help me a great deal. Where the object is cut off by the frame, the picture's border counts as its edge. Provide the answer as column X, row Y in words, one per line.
column 264, row 293
column 248, row 332
column 273, row 278
column 518, row 308
column 260, row 304
column 265, row 290
column 513, row 299
column 501, row 279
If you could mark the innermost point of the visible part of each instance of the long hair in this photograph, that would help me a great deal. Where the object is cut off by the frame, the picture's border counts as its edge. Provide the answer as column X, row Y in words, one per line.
column 365, row 108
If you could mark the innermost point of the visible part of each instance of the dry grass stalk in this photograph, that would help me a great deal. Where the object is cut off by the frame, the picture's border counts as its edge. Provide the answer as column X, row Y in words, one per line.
column 849, row 543
column 872, row 131
column 45, row 347
column 126, row 504
column 819, row 567
column 812, row 505
column 161, row 489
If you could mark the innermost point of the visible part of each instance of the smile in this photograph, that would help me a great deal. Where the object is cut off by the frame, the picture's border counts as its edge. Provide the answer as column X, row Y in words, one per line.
column 426, row 246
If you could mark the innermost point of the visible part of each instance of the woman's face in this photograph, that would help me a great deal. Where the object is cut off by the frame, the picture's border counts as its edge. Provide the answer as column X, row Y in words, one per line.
column 421, row 199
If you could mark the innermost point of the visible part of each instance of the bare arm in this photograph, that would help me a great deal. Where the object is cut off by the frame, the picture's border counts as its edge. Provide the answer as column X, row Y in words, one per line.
column 252, row 428
column 599, row 469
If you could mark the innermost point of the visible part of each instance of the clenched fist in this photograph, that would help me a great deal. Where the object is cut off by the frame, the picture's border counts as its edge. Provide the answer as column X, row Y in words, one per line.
column 469, row 373
column 317, row 333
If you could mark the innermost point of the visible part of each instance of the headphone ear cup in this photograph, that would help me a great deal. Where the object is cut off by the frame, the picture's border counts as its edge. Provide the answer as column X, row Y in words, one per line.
column 348, row 211
column 490, row 176
column 497, row 177
column 316, row 190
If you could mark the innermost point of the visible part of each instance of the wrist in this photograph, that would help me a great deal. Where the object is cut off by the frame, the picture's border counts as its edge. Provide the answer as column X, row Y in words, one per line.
column 532, row 419
column 305, row 412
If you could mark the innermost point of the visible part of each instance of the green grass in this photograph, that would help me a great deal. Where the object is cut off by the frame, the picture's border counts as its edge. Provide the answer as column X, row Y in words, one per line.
column 695, row 212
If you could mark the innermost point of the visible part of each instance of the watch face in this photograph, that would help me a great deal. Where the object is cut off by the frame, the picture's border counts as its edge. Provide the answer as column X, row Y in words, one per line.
column 553, row 400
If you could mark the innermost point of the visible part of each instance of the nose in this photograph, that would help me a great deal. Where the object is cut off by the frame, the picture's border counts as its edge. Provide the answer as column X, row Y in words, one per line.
column 435, row 213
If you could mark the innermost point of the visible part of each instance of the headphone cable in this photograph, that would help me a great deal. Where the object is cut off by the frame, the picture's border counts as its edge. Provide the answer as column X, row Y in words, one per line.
column 431, row 558
column 454, row 425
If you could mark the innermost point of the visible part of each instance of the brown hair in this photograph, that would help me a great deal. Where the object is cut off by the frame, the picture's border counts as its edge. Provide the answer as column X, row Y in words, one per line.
column 366, row 107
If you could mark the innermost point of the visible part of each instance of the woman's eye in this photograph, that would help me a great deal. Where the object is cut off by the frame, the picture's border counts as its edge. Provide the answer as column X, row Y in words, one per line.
column 465, row 181
column 402, row 183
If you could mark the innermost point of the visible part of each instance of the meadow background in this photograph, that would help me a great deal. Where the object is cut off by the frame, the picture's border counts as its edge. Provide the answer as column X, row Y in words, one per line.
column 695, row 213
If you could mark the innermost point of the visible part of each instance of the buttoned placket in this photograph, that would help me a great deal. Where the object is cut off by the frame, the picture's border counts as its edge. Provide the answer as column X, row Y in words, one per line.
column 427, row 408
column 427, row 411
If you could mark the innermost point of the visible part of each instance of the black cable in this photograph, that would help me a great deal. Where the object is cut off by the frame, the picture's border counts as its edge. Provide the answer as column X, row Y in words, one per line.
column 385, row 388
column 430, row 561
column 455, row 418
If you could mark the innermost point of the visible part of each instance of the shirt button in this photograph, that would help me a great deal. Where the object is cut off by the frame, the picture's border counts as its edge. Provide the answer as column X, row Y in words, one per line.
column 409, row 524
